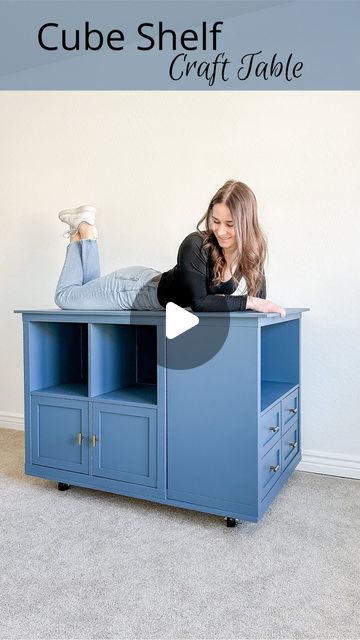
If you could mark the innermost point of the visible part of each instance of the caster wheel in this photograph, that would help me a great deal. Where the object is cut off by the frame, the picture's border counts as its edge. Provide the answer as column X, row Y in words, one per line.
column 62, row 486
column 230, row 522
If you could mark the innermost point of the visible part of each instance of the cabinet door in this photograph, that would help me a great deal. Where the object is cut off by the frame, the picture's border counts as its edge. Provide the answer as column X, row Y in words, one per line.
column 124, row 443
column 59, row 433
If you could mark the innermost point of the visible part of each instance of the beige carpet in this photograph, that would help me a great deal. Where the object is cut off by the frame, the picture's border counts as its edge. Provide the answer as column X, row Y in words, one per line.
column 87, row 564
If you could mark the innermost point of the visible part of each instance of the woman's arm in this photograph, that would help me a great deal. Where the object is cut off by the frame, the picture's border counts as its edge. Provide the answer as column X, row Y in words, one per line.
column 264, row 306
column 192, row 262
column 260, row 304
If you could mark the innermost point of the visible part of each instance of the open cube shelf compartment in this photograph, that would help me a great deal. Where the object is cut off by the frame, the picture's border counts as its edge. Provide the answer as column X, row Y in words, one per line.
column 112, row 362
column 280, row 360
column 59, row 358
column 123, row 363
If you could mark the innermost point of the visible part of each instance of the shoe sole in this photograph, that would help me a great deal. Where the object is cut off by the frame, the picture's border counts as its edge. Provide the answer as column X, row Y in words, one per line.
column 74, row 220
column 74, row 217
column 85, row 208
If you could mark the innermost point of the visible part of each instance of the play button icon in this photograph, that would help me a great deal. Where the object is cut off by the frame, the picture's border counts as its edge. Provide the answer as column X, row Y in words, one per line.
column 178, row 320
column 168, row 340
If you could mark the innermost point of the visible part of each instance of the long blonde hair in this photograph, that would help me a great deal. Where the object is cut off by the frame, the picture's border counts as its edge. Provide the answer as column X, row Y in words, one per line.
column 250, row 239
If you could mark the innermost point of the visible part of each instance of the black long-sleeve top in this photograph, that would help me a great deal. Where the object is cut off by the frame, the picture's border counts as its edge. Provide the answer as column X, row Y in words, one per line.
column 189, row 283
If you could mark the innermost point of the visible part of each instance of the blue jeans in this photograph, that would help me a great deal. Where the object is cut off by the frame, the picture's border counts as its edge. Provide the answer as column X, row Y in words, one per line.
column 81, row 287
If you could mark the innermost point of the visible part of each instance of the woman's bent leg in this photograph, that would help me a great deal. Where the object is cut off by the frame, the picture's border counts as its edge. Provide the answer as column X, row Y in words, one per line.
column 90, row 259
column 124, row 289
column 80, row 267
column 72, row 272
column 136, row 288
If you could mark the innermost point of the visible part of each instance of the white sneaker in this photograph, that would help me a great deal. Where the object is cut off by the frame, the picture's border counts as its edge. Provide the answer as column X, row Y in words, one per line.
column 74, row 217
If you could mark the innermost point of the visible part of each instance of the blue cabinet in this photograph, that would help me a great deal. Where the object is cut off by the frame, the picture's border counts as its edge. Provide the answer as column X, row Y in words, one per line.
column 112, row 404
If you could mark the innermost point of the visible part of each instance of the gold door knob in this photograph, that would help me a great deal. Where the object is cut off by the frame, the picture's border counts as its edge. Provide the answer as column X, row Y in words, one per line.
column 80, row 438
column 93, row 440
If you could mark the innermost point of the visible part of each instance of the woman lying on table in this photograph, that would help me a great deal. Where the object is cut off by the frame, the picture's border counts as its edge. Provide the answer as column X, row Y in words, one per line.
column 210, row 264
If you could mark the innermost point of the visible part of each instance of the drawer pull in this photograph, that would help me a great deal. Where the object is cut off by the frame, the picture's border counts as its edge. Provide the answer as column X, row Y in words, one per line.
column 274, row 429
column 293, row 445
column 80, row 438
column 293, row 410
column 275, row 469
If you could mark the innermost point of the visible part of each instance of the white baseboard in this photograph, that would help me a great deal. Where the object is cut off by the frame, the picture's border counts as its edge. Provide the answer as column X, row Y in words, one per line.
column 12, row 421
column 327, row 464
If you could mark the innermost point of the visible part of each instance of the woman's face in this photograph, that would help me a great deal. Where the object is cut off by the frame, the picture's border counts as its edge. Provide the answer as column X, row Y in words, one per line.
column 222, row 226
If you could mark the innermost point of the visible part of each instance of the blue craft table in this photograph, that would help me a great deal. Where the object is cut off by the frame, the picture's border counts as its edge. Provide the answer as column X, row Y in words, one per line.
column 107, row 406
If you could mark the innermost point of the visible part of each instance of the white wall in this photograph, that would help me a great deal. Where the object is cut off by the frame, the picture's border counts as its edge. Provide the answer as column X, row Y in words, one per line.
column 150, row 163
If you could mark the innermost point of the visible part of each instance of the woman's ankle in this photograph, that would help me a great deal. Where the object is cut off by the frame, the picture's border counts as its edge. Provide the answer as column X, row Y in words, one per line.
column 85, row 231
column 75, row 238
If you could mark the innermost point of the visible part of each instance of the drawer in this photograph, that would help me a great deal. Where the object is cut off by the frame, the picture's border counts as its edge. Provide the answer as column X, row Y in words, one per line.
column 289, row 408
column 270, row 469
column 290, row 444
column 269, row 429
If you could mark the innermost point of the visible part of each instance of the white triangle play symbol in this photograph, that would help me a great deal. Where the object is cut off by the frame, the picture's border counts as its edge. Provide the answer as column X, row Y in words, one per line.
column 178, row 320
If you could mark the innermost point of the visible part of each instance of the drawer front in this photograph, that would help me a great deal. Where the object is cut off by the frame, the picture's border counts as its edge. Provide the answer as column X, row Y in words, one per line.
column 289, row 408
column 290, row 444
column 270, row 429
column 270, row 469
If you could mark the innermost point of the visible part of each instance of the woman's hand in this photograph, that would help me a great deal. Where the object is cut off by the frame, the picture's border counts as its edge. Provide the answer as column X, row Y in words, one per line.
column 264, row 306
